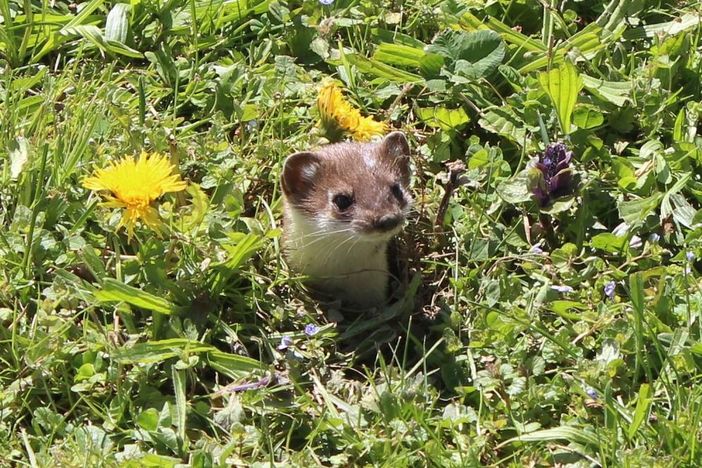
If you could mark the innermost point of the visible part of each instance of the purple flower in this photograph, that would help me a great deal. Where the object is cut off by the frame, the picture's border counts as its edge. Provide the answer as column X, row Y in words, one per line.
column 285, row 342
column 311, row 330
column 690, row 256
column 562, row 289
column 635, row 242
column 654, row 238
column 592, row 393
column 555, row 176
column 326, row 2
column 609, row 289
column 249, row 386
column 536, row 249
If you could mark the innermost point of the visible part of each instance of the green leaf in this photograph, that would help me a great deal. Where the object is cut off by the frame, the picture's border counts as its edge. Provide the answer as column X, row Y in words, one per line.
column 148, row 419
column 643, row 403
column 616, row 92
column 563, row 86
column 117, row 23
column 516, row 189
column 441, row 117
column 665, row 29
column 563, row 309
column 586, row 117
column 399, row 55
column 587, row 42
column 503, row 121
column 430, row 65
column 568, row 433
column 198, row 207
column 559, row 205
column 609, row 242
column 381, row 70
column 179, row 378
column 233, row 365
column 636, row 211
column 470, row 22
column 243, row 247
column 116, row 291
column 472, row 55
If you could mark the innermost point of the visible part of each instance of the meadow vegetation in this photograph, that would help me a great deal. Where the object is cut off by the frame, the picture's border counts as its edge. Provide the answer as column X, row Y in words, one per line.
column 552, row 310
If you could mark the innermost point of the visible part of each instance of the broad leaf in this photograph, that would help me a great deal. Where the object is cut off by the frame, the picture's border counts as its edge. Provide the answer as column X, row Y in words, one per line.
column 563, row 86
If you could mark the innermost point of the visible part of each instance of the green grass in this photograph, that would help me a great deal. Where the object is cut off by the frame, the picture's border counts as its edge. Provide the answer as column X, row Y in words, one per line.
column 157, row 351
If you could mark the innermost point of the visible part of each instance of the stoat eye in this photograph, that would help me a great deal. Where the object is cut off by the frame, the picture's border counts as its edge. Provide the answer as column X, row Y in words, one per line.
column 397, row 192
column 342, row 202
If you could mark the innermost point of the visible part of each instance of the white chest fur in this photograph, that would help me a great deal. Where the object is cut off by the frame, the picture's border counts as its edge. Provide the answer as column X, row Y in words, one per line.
column 348, row 266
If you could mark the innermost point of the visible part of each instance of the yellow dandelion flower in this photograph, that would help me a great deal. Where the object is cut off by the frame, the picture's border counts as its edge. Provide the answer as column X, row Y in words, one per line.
column 338, row 116
column 133, row 185
column 368, row 128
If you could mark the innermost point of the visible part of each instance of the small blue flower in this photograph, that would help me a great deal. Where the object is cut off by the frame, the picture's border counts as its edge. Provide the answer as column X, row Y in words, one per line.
column 252, row 125
column 562, row 289
column 690, row 256
column 592, row 393
column 285, row 342
column 536, row 250
column 654, row 238
column 609, row 289
column 326, row 2
column 311, row 330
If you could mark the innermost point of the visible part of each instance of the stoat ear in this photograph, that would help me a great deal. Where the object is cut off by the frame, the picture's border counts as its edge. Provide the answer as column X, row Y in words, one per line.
column 299, row 173
column 396, row 149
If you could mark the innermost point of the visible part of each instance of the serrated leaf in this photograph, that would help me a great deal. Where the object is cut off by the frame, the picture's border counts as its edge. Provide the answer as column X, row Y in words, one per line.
column 563, row 86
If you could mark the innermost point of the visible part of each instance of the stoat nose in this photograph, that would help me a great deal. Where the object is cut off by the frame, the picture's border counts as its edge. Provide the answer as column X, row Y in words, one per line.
column 388, row 222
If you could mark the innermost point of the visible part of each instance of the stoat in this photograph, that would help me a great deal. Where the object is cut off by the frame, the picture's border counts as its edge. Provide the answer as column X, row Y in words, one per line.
column 343, row 203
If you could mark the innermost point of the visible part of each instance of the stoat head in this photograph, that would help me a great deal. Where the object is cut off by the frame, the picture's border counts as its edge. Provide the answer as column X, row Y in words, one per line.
column 356, row 189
